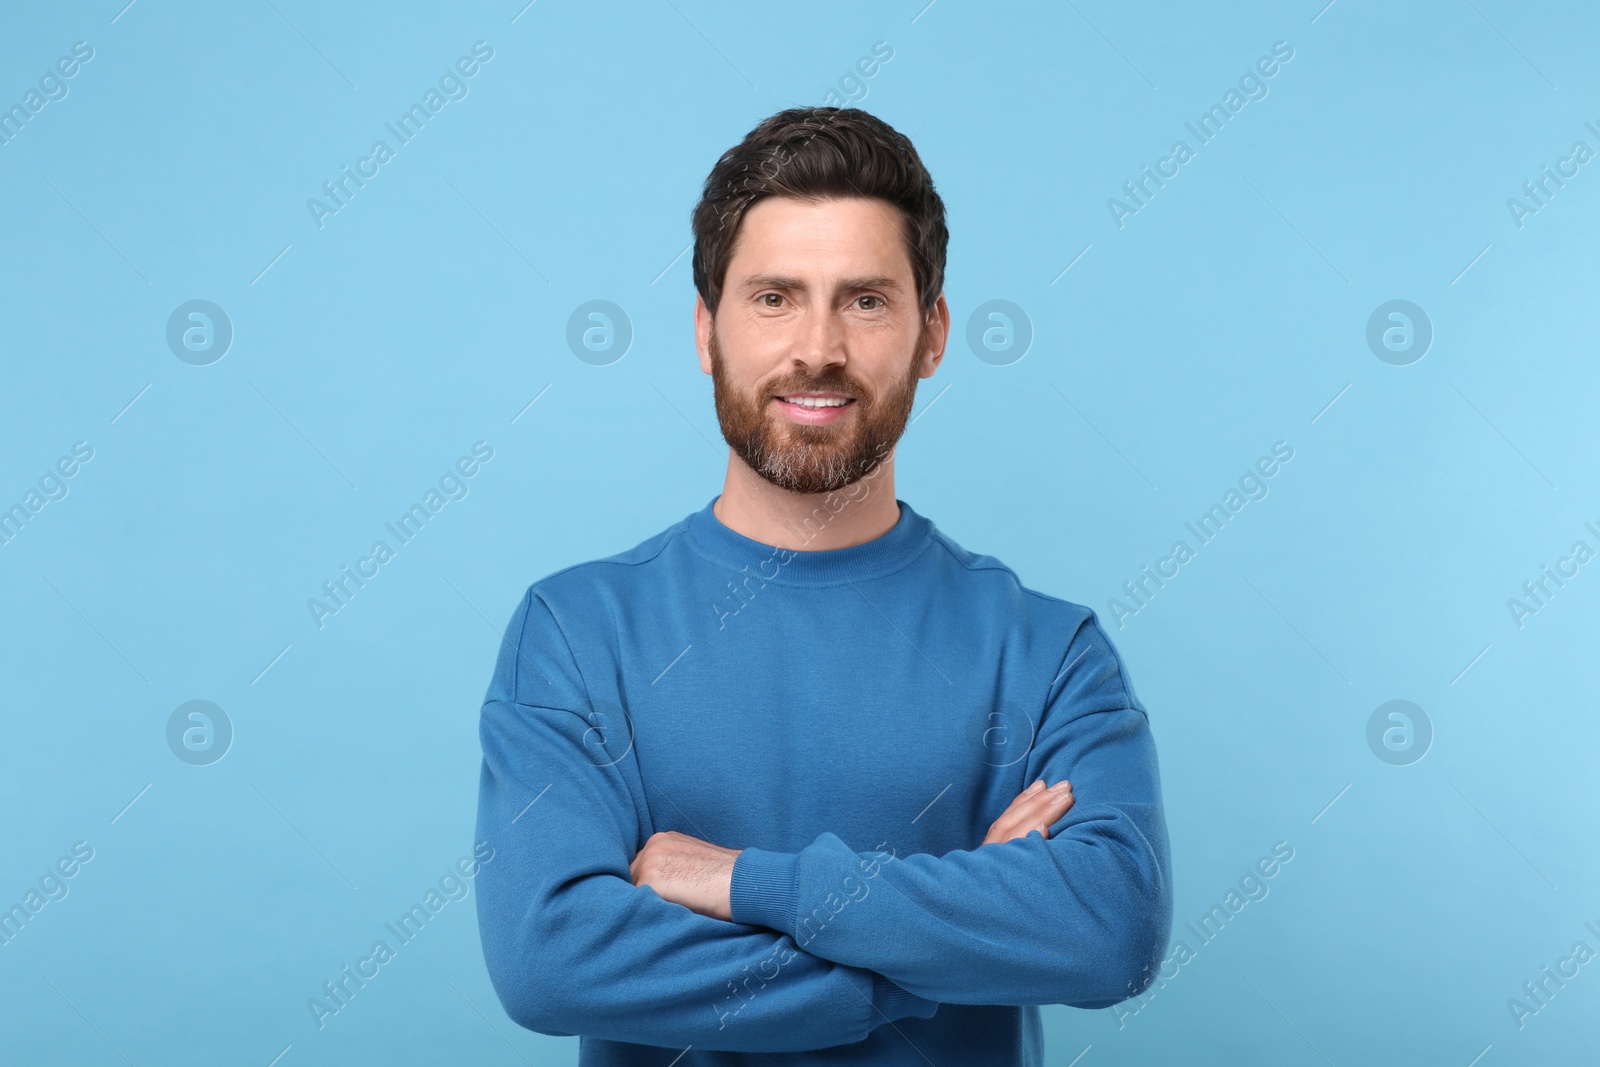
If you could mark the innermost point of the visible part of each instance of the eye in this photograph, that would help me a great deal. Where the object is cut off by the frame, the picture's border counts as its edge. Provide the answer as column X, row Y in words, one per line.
column 770, row 296
column 870, row 296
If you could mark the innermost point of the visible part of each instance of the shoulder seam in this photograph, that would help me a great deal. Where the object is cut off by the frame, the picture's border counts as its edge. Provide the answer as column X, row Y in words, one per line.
column 670, row 532
column 588, row 702
column 950, row 548
column 1133, row 702
column 522, row 632
column 1001, row 567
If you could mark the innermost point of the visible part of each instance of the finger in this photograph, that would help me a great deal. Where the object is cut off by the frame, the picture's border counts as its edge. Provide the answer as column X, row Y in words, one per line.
column 1038, row 789
column 1021, row 799
column 1026, row 809
column 1043, row 802
column 1017, row 803
column 1047, row 803
column 1031, row 791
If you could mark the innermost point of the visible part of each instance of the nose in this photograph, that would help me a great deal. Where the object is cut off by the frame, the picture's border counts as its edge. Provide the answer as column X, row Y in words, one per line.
column 820, row 343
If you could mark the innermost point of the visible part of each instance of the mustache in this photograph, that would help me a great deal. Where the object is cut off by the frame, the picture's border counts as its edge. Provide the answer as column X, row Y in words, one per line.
column 836, row 383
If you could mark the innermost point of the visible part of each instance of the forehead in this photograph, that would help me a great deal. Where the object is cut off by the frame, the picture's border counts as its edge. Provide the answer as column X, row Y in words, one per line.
column 840, row 235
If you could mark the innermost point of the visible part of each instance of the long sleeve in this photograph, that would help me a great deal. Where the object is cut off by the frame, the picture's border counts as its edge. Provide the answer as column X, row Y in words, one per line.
column 572, row 945
column 1081, row 918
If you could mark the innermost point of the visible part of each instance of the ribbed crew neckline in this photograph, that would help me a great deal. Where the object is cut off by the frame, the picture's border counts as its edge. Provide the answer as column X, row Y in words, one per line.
column 884, row 554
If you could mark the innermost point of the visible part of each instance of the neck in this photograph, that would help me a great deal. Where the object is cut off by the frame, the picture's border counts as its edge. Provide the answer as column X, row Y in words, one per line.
column 807, row 522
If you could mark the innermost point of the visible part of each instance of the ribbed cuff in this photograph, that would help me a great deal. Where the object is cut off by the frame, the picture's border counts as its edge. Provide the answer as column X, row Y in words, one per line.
column 897, row 1003
column 763, row 891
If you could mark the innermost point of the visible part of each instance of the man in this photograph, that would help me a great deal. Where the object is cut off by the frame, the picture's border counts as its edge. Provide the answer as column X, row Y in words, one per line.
column 757, row 785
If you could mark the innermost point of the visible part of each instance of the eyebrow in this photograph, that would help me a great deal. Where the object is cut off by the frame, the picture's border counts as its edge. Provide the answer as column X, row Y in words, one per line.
column 783, row 281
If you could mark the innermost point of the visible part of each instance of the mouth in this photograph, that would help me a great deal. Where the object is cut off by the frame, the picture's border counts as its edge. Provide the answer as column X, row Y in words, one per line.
column 828, row 400
column 814, row 408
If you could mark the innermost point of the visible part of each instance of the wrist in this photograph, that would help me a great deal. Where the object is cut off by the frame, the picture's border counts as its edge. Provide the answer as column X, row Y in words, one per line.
column 762, row 889
column 896, row 1002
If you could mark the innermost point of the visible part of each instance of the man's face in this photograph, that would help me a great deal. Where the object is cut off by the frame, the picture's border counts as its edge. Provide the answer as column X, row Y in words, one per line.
column 818, row 341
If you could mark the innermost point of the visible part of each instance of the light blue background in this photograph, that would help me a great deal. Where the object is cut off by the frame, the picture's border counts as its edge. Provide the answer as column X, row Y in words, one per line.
column 1228, row 314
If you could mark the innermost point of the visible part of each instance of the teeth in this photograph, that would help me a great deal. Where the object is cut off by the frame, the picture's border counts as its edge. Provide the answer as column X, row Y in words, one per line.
column 817, row 401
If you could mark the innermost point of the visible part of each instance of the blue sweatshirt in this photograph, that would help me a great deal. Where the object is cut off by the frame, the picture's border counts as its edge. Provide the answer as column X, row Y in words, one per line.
column 854, row 719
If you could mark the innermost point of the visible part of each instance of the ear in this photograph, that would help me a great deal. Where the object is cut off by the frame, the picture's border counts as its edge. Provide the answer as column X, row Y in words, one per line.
column 702, row 333
column 938, row 337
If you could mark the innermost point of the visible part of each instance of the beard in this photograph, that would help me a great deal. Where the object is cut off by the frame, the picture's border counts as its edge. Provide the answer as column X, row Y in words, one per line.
column 806, row 458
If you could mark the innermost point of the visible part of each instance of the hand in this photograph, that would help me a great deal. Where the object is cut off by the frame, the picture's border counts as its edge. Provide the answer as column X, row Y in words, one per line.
column 687, row 871
column 1035, row 808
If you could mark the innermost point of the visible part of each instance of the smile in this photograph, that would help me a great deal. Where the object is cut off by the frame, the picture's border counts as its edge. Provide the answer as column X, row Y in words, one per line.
column 814, row 410
column 817, row 401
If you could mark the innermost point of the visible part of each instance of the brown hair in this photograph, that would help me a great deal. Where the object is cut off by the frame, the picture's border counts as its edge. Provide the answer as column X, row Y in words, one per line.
column 815, row 153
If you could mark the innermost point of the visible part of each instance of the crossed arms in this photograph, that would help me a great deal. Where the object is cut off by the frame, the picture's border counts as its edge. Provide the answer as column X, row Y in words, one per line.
column 755, row 950
column 699, row 874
